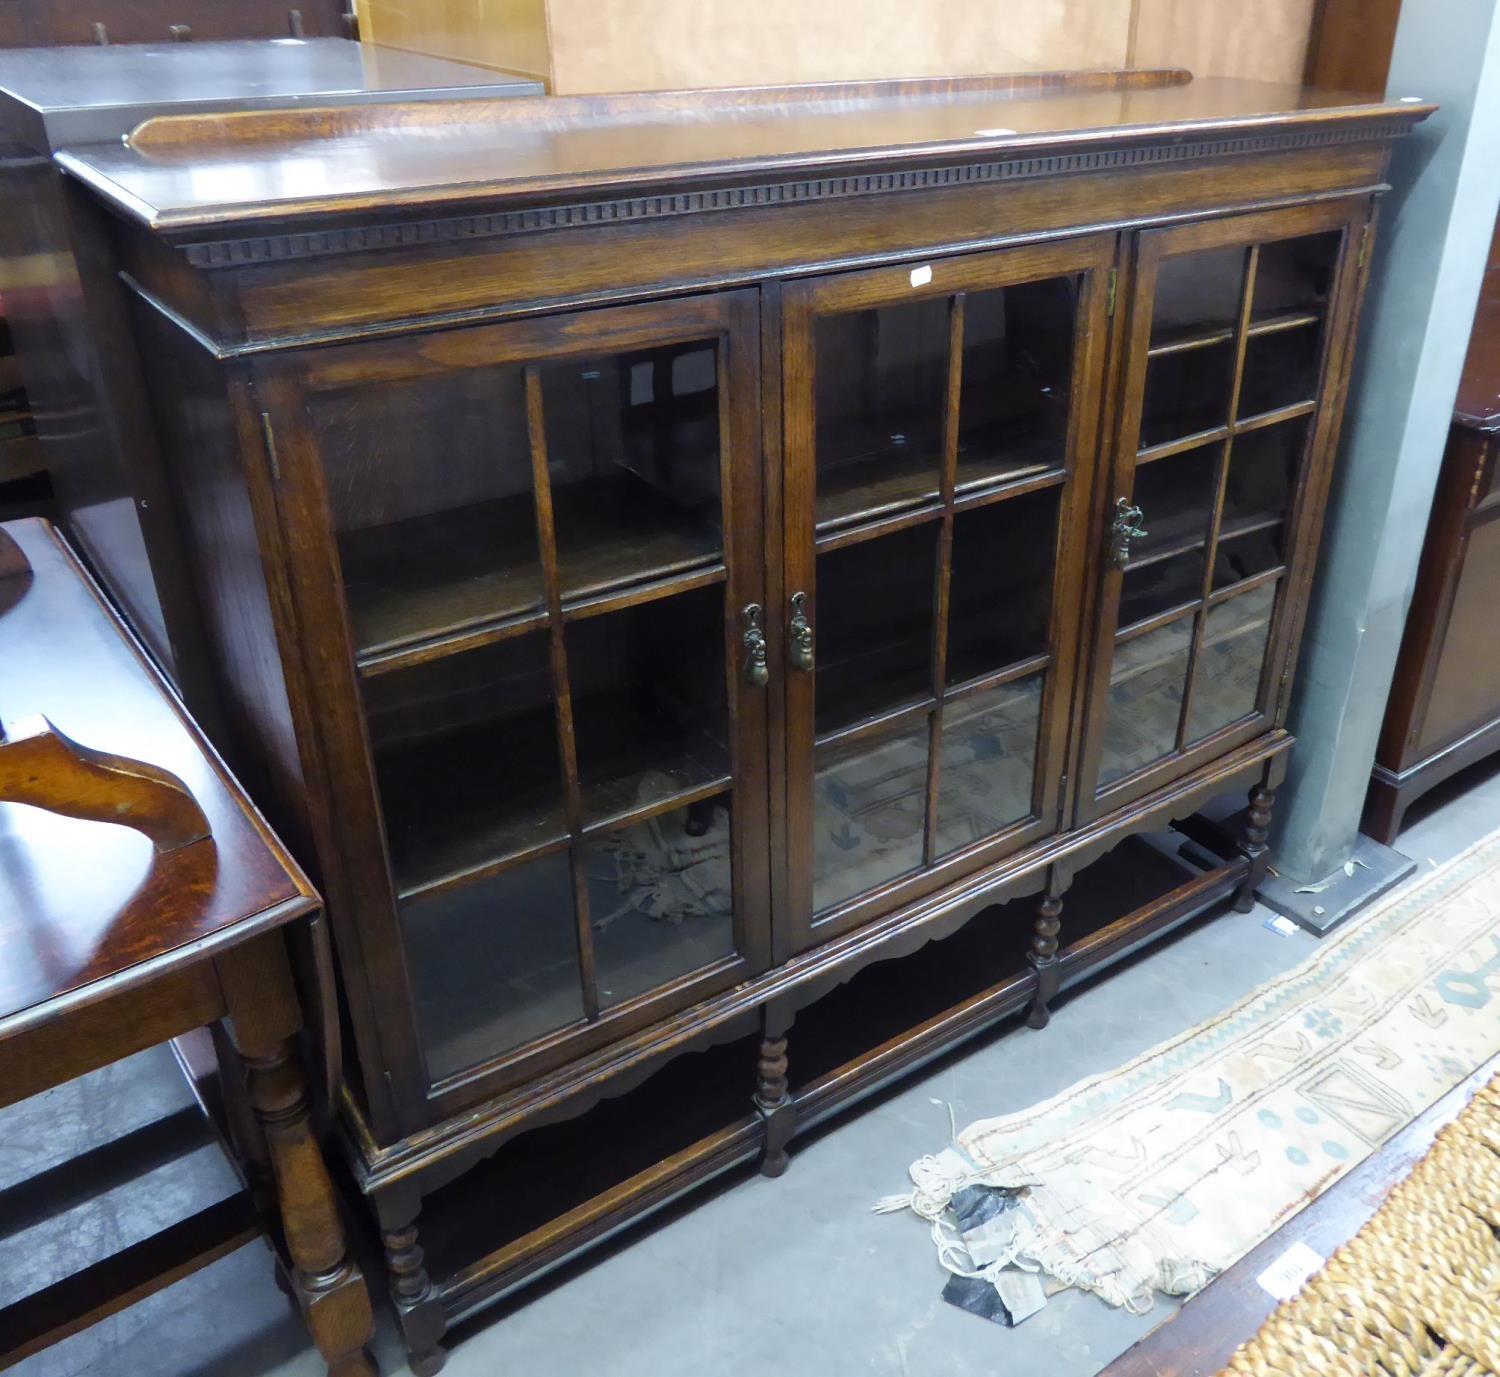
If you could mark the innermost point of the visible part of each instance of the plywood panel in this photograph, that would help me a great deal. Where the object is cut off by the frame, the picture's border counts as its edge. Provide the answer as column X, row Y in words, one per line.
column 1351, row 44
column 1264, row 39
column 625, row 45
column 510, row 35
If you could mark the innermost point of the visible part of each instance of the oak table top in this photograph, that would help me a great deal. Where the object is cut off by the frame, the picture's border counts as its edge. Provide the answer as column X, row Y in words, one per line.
column 90, row 909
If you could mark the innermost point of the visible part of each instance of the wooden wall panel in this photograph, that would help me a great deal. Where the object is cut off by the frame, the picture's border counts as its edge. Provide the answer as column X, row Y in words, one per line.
column 623, row 45
column 1264, row 39
column 630, row 45
column 1351, row 44
column 510, row 35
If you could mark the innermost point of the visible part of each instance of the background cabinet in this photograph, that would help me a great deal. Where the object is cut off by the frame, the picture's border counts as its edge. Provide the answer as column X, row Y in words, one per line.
column 1444, row 709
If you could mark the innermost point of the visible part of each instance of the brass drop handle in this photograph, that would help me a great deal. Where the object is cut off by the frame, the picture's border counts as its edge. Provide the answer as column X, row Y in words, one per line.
column 800, row 635
column 757, row 674
column 1125, row 528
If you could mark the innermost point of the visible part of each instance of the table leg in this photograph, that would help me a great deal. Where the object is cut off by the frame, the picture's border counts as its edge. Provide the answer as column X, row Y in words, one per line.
column 263, row 1022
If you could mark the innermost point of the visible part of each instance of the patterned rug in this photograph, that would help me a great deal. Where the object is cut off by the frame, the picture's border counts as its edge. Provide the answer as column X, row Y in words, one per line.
column 1159, row 1175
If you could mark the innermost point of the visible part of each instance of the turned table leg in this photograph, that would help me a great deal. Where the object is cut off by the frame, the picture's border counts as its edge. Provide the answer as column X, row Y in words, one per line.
column 1043, row 958
column 1252, row 845
column 773, row 1100
column 419, row 1309
column 263, row 1021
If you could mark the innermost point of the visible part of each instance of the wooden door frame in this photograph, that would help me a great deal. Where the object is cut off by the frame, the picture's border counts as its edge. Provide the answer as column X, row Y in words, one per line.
column 803, row 300
column 1146, row 249
column 393, row 1048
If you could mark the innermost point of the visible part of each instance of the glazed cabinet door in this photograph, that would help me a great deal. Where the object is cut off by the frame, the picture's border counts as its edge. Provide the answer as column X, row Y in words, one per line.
column 529, row 555
column 1222, row 425
column 939, row 433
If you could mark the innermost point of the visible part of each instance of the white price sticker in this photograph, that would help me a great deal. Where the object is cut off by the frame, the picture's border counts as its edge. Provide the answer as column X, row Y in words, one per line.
column 1284, row 1277
column 920, row 277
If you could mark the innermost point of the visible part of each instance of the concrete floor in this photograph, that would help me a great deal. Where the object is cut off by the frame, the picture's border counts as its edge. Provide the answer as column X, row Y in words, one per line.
column 793, row 1276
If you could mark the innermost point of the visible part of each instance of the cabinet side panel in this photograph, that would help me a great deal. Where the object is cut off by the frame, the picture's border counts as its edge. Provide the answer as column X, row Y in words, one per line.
column 1404, row 735
column 1466, row 687
column 253, row 722
column 200, row 453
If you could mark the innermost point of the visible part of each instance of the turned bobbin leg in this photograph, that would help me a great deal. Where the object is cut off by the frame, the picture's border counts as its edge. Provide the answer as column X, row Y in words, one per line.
column 773, row 1100
column 1252, row 844
column 1043, row 958
column 418, row 1307
column 263, row 1022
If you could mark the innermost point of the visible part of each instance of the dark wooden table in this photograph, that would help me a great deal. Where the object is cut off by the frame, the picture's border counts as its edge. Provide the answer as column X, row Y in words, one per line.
column 1202, row 1337
column 142, row 897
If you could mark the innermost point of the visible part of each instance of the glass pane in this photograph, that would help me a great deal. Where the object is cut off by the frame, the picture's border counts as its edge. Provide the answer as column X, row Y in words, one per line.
column 661, row 901
column 869, row 810
column 1157, row 587
column 874, row 625
column 1295, row 275
column 988, row 762
column 881, row 380
column 1262, row 478
column 1197, row 293
column 1000, row 595
column 1176, row 496
column 1281, row 369
column 633, row 455
column 1226, row 682
column 1146, row 683
column 493, row 964
column 1186, row 391
column 426, row 546
column 466, row 758
column 1017, row 365
column 649, row 701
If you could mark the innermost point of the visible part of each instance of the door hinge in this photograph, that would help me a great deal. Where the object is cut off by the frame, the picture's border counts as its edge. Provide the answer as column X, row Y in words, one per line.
column 1364, row 245
column 269, row 436
column 1114, row 282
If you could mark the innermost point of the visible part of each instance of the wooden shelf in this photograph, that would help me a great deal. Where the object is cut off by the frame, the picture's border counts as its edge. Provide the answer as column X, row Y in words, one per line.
column 1250, row 524
column 617, row 531
column 1182, row 339
column 1286, row 320
column 630, row 767
column 867, row 490
column 454, row 814
column 1194, row 435
column 1204, row 336
column 858, row 690
column 417, row 581
column 875, row 486
column 438, row 584
column 1174, row 543
column 471, row 801
column 1294, row 411
column 687, row 1123
column 1158, row 892
column 992, row 466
